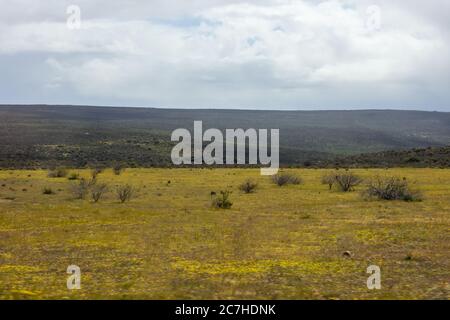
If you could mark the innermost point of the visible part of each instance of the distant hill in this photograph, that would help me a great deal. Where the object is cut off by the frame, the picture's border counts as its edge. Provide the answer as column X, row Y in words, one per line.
column 42, row 136
column 427, row 157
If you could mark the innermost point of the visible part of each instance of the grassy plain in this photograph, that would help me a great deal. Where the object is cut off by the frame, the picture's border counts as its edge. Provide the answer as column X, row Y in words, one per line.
column 169, row 243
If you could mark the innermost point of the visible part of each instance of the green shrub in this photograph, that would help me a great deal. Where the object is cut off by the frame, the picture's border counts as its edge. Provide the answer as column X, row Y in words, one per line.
column 222, row 200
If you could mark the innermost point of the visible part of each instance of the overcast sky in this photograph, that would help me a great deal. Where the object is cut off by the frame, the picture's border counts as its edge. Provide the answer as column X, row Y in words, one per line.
column 265, row 54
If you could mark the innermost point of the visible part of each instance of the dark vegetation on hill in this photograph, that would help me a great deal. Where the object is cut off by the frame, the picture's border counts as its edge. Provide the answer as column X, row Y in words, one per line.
column 74, row 136
column 426, row 157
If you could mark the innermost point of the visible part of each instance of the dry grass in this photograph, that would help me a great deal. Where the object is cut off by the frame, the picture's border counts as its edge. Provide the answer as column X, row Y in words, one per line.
column 168, row 243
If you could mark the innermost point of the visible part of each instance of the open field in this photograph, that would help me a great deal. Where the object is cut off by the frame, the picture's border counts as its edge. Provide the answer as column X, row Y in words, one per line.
column 169, row 243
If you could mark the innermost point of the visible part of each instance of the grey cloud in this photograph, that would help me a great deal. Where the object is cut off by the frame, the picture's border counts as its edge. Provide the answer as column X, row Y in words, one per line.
column 227, row 54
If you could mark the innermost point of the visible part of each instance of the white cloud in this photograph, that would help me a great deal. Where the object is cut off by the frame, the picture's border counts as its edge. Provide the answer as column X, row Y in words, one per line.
column 271, row 54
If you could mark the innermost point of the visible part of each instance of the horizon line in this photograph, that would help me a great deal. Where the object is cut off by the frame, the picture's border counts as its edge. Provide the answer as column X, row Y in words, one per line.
column 214, row 108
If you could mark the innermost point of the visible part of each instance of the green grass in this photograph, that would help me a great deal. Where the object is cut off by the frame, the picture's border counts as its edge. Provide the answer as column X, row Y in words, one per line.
column 169, row 243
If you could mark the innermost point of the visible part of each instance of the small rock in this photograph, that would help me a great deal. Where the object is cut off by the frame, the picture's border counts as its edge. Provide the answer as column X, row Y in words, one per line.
column 347, row 254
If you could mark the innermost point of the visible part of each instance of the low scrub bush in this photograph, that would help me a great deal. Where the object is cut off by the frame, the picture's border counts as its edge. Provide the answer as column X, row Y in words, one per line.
column 81, row 190
column 98, row 190
column 248, row 186
column 118, row 169
column 73, row 176
column 391, row 188
column 347, row 182
column 48, row 191
column 57, row 173
column 282, row 179
column 329, row 179
column 222, row 200
column 124, row 193
column 95, row 172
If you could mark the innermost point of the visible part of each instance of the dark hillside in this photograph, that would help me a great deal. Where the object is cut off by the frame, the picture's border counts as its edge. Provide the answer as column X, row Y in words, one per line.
column 78, row 136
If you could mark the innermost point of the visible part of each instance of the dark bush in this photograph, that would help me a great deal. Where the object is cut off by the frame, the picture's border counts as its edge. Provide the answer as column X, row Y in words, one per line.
column 48, row 191
column 81, row 189
column 248, row 186
column 222, row 200
column 73, row 176
column 347, row 182
column 391, row 188
column 329, row 179
column 98, row 190
column 95, row 172
column 57, row 173
column 118, row 168
column 412, row 160
column 124, row 193
column 282, row 179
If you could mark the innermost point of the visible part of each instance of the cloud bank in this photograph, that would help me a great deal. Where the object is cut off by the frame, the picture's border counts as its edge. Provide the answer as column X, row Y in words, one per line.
column 277, row 54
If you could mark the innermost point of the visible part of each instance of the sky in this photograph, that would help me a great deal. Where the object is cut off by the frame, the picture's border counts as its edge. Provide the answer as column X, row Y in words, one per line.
column 265, row 54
